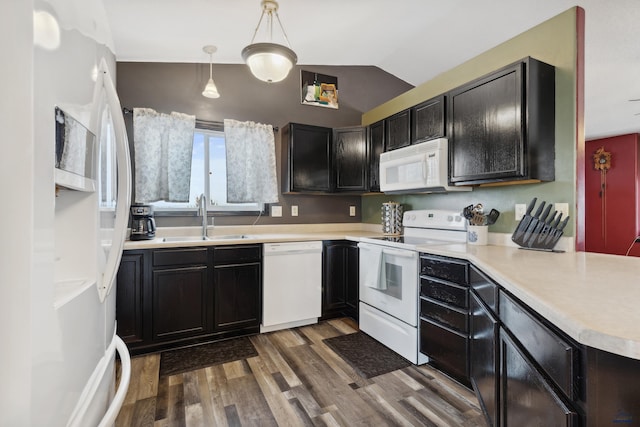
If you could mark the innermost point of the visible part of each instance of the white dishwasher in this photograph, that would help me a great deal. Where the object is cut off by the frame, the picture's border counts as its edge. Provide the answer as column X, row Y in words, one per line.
column 291, row 285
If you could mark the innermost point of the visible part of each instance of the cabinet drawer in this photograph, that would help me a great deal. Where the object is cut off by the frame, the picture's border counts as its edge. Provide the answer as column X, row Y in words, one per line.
column 556, row 356
column 445, row 315
column 236, row 254
column 484, row 288
column 447, row 349
column 449, row 269
column 182, row 256
column 446, row 292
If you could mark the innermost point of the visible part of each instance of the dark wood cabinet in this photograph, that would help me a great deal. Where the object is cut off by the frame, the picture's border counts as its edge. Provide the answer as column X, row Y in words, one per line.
column 129, row 291
column 339, row 279
column 173, row 297
column 526, row 397
column 376, row 147
column 428, row 120
column 309, row 158
column 398, row 130
column 237, row 284
column 502, row 126
column 444, row 314
column 350, row 159
column 325, row 160
column 180, row 293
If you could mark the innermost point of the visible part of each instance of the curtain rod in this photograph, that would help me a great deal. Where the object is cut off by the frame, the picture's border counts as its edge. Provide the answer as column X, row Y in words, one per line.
column 203, row 124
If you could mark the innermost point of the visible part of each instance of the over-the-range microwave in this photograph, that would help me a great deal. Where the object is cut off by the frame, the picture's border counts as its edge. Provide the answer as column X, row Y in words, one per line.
column 419, row 168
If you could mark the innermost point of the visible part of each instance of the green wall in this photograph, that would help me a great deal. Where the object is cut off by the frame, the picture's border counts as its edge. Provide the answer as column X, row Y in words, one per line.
column 554, row 42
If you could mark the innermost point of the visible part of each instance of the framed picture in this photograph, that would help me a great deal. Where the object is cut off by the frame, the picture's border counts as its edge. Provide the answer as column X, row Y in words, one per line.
column 318, row 89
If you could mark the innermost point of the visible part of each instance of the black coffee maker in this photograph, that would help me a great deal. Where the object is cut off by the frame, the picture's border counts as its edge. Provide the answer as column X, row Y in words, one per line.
column 143, row 226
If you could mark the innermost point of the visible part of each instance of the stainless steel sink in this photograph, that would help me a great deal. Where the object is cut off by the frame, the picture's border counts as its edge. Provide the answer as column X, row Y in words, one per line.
column 185, row 239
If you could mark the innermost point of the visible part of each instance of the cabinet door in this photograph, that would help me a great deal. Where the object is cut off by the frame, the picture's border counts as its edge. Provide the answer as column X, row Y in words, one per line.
column 487, row 129
column 447, row 349
column 309, row 158
column 526, row 398
column 129, row 288
column 398, row 130
column 350, row 159
column 181, row 302
column 376, row 147
column 237, row 296
column 484, row 369
column 353, row 278
column 339, row 279
column 427, row 120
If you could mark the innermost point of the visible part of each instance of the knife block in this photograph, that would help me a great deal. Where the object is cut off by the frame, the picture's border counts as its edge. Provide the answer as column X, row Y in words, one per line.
column 540, row 231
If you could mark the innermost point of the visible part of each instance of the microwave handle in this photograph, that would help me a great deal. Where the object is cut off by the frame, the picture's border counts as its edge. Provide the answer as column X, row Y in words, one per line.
column 424, row 169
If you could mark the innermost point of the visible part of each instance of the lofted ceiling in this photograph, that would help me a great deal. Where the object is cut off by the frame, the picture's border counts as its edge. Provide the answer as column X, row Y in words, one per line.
column 414, row 40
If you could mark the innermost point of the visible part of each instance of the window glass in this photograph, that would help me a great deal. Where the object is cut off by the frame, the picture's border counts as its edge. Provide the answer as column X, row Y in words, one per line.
column 208, row 176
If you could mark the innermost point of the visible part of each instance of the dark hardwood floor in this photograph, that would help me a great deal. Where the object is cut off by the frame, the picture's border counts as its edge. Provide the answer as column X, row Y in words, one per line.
column 296, row 380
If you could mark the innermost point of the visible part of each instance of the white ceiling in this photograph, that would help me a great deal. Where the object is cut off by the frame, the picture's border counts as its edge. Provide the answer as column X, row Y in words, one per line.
column 414, row 40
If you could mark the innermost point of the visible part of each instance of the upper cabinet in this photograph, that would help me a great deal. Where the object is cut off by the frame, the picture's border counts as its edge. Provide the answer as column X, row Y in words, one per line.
column 350, row 159
column 376, row 147
column 427, row 120
column 325, row 160
column 398, row 130
column 309, row 158
column 502, row 126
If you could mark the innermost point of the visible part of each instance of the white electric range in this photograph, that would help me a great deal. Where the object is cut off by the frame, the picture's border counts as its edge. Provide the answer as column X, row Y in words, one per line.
column 389, row 278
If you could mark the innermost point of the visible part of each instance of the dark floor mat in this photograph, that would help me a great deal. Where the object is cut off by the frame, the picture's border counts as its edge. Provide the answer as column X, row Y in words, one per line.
column 367, row 356
column 200, row 356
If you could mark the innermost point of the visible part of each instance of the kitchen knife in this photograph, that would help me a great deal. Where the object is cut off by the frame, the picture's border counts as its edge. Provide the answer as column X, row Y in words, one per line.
column 532, row 233
column 542, row 236
column 524, row 222
column 554, row 227
column 557, row 233
column 533, row 224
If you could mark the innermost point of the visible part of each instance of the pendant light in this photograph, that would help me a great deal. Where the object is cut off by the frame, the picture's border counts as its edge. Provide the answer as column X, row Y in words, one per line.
column 210, row 90
column 268, row 61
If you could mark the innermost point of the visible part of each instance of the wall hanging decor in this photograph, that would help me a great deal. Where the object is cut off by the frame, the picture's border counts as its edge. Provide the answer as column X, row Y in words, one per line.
column 319, row 89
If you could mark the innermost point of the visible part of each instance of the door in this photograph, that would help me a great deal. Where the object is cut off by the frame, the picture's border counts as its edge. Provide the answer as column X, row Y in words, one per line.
column 350, row 159
column 129, row 308
column 376, row 147
column 389, row 280
column 236, row 296
column 398, row 130
column 309, row 158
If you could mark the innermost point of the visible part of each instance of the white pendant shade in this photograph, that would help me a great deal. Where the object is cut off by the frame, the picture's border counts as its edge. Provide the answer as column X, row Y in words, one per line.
column 269, row 62
column 210, row 90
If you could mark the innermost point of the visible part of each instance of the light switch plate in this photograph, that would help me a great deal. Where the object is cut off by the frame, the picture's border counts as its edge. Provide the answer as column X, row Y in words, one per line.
column 294, row 210
column 352, row 211
column 521, row 209
column 562, row 207
column 276, row 211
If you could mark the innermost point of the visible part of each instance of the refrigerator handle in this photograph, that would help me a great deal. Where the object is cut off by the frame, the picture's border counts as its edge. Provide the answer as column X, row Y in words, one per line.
column 124, row 181
column 114, row 408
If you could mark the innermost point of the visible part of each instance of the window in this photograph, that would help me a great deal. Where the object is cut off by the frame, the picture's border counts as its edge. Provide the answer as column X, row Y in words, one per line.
column 208, row 176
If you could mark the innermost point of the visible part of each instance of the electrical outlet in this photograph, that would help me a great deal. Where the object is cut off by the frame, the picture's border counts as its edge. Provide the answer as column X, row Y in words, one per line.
column 276, row 211
column 352, row 211
column 562, row 207
column 294, row 210
column 521, row 209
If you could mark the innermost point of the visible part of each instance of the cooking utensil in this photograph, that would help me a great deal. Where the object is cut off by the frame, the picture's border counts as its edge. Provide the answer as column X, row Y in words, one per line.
column 533, row 223
column 542, row 236
column 548, row 237
column 492, row 217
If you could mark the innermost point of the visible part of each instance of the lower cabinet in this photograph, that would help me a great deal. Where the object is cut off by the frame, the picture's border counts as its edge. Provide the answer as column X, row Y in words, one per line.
column 339, row 279
column 173, row 297
column 237, row 284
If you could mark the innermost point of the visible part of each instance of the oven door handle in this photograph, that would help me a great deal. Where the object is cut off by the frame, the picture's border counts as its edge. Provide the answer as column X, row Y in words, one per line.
column 400, row 253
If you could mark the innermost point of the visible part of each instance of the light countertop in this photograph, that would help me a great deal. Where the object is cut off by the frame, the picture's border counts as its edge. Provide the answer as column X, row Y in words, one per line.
column 593, row 298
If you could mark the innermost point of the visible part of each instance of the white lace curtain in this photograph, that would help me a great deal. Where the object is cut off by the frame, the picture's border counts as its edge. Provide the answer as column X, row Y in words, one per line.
column 251, row 162
column 163, row 146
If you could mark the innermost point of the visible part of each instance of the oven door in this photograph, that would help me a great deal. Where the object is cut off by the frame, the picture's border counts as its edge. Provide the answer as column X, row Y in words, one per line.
column 389, row 280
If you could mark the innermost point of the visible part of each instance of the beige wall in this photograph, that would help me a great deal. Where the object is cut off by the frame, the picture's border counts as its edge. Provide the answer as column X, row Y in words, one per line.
column 554, row 42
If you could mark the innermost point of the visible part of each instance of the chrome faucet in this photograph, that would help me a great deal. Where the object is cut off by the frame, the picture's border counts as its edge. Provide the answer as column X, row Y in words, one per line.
column 202, row 210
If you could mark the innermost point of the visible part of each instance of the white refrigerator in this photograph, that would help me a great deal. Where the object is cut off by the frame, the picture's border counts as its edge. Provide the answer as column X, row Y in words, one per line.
column 62, row 231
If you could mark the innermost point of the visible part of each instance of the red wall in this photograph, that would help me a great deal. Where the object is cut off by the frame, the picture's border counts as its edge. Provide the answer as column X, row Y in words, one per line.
column 612, row 222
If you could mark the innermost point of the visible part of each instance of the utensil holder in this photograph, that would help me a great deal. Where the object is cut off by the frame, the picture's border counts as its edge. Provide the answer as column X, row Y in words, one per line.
column 477, row 235
column 391, row 214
